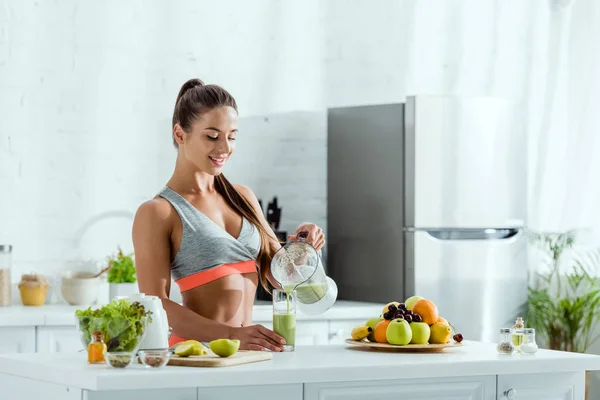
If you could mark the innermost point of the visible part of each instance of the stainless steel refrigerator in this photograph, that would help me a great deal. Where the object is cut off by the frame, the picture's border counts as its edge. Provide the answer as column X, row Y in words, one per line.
column 429, row 198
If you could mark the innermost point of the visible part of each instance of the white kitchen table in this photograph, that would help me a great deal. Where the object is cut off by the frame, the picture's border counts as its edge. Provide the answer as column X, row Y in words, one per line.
column 475, row 371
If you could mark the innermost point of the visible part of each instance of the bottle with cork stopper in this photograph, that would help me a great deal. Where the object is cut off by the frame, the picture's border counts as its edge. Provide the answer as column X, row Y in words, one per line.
column 96, row 348
column 518, row 332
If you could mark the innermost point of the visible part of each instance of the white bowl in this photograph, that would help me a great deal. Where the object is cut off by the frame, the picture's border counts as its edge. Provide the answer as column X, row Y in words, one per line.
column 79, row 287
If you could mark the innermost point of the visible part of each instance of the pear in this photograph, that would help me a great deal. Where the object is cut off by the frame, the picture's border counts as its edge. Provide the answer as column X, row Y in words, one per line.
column 224, row 347
column 398, row 332
column 410, row 302
column 371, row 323
column 199, row 348
column 420, row 333
column 184, row 350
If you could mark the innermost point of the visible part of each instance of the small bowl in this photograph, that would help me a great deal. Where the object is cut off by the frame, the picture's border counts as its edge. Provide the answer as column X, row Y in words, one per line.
column 119, row 359
column 79, row 287
column 155, row 358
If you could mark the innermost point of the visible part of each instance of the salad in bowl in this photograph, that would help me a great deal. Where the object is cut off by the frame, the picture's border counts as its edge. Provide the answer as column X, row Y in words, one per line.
column 122, row 323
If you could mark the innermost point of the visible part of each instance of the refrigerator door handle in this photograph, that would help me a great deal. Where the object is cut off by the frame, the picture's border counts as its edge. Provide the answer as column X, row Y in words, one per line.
column 473, row 234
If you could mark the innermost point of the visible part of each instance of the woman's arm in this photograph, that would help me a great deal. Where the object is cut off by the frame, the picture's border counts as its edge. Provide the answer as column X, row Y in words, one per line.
column 151, row 232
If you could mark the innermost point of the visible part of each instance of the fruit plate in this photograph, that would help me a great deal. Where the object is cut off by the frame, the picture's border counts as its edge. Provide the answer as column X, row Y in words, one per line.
column 430, row 348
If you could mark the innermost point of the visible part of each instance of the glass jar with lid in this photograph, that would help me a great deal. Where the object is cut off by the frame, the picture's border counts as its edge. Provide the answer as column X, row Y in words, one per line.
column 529, row 345
column 505, row 345
column 5, row 274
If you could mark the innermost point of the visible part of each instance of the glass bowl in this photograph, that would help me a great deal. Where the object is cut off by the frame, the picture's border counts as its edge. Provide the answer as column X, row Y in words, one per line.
column 119, row 334
column 155, row 358
column 119, row 359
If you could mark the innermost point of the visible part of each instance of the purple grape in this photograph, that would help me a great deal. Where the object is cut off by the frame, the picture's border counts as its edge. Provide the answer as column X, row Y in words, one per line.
column 387, row 315
column 392, row 307
column 408, row 318
column 399, row 316
column 417, row 318
column 402, row 306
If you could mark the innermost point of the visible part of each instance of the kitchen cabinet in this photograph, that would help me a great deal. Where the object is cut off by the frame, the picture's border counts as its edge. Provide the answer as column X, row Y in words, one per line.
column 339, row 330
column 467, row 388
column 58, row 339
column 554, row 386
column 17, row 339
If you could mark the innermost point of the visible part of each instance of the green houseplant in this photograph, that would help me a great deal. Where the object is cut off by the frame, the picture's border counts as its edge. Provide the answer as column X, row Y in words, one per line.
column 121, row 275
column 564, row 298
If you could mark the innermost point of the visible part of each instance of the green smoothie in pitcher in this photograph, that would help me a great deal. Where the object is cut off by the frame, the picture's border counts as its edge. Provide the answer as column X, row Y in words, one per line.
column 308, row 293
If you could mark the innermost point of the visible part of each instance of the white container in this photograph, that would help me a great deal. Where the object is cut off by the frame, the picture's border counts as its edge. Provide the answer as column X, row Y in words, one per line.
column 5, row 274
column 157, row 331
column 122, row 289
column 79, row 287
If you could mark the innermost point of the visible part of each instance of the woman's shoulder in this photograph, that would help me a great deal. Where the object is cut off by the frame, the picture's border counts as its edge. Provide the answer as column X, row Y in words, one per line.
column 155, row 210
column 246, row 192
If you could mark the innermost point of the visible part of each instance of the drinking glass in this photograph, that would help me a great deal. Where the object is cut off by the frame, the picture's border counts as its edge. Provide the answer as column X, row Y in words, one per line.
column 284, row 317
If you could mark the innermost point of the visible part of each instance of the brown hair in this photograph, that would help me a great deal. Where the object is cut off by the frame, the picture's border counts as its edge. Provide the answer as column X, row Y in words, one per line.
column 194, row 99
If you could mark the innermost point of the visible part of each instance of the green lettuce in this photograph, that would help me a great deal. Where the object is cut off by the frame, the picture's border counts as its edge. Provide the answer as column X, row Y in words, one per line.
column 121, row 322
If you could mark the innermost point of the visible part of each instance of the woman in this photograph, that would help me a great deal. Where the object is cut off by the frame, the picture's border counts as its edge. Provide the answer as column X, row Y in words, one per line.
column 209, row 234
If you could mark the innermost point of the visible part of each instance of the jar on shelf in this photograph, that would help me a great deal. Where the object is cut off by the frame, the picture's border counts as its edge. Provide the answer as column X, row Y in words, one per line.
column 5, row 274
column 505, row 345
column 529, row 345
column 33, row 289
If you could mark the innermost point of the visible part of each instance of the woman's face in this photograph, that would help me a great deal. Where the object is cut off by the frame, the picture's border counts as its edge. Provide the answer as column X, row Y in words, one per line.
column 211, row 140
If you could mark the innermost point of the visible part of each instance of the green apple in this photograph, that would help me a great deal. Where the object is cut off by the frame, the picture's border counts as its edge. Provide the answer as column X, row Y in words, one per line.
column 371, row 324
column 410, row 302
column 420, row 332
column 398, row 332
column 224, row 347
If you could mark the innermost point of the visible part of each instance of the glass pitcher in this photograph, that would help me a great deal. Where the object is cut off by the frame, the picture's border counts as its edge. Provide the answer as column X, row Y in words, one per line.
column 297, row 266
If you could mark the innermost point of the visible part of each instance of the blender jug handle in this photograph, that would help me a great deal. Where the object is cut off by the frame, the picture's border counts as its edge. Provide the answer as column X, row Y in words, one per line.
column 302, row 236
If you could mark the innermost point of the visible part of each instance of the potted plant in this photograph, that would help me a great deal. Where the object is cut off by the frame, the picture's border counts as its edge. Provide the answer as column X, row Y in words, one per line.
column 121, row 275
column 564, row 298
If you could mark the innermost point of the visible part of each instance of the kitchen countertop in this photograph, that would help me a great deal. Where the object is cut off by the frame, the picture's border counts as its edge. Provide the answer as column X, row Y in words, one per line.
column 306, row 365
column 61, row 315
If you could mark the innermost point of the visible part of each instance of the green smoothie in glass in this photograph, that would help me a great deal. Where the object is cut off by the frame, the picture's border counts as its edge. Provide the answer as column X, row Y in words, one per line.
column 284, row 317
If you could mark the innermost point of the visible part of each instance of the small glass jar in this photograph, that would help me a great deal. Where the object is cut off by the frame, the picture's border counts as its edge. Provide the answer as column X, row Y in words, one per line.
column 529, row 345
column 505, row 345
column 96, row 348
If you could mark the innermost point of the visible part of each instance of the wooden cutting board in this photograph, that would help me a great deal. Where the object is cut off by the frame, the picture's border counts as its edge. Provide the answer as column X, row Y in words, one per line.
column 212, row 360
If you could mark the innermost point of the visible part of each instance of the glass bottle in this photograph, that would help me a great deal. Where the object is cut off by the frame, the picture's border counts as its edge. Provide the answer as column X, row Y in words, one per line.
column 529, row 345
column 505, row 345
column 5, row 274
column 96, row 348
column 518, row 333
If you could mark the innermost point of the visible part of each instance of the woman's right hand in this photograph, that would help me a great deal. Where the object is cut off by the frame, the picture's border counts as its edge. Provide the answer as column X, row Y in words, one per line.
column 257, row 337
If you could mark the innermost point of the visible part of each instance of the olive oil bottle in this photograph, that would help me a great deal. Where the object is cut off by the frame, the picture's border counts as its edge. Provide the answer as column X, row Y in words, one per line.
column 518, row 333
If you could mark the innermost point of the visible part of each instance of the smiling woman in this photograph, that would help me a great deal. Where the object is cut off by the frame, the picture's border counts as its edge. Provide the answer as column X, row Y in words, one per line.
column 206, row 233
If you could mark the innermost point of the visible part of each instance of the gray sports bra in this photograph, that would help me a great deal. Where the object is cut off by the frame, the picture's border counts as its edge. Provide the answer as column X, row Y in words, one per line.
column 207, row 251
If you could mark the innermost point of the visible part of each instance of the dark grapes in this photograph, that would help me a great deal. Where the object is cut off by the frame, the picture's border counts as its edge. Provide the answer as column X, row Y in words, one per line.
column 408, row 318
column 402, row 306
column 387, row 315
column 417, row 318
column 458, row 337
column 392, row 307
column 399, row 316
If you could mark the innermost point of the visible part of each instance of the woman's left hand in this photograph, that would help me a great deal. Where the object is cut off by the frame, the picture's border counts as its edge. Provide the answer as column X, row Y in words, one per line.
column 316, row 237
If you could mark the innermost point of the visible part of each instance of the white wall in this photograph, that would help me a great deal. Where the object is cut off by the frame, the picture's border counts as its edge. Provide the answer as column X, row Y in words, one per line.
column 87, row 92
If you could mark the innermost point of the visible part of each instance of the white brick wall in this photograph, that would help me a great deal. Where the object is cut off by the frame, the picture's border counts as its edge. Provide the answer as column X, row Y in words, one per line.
column 87, row 91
